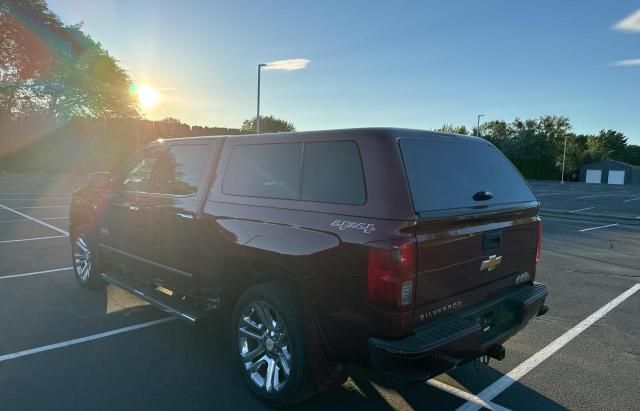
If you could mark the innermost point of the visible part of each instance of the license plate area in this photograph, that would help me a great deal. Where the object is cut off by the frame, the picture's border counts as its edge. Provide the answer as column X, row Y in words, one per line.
column 498, row 320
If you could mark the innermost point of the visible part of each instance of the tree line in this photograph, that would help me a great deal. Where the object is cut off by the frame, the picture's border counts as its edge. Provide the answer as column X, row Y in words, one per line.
column 38, row 143
column 536, row 145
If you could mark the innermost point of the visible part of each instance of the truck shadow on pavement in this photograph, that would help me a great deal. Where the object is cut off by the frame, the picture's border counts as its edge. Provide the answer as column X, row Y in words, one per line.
column 367, row 390
column 370, row 392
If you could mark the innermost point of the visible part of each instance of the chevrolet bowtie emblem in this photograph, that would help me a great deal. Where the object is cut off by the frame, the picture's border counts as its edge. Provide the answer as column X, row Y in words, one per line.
column 491, row 263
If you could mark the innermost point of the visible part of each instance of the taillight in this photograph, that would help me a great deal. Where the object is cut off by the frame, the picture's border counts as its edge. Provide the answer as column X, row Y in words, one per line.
column 539, row 245
column 391, row 274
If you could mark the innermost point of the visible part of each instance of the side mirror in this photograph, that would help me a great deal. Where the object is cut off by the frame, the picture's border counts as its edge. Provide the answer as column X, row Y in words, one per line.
column 99, row 179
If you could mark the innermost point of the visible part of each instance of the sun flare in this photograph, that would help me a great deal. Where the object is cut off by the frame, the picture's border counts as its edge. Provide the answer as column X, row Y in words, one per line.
column 148, row 96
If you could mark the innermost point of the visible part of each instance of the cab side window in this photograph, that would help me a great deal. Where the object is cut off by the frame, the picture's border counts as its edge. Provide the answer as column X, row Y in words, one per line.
column 181, row 169
column 264, row 170
column 326, row 171
column 332, row 173
column 138, row 175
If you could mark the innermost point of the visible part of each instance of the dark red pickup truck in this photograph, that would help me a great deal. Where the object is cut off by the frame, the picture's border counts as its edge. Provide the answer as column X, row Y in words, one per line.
column 407, row 251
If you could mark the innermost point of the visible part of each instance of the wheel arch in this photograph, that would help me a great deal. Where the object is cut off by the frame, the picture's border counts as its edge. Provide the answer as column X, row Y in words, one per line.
column 240, row 274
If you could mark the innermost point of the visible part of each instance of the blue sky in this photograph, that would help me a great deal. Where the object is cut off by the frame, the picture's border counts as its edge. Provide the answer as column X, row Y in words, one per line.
column 395, row 63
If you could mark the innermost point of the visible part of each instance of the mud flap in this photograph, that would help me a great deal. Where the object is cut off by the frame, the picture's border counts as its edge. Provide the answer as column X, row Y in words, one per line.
column 326, row 372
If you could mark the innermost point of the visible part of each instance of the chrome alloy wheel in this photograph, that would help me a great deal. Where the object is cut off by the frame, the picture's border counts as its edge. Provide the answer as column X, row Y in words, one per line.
column 264, row 347
column 82, row 257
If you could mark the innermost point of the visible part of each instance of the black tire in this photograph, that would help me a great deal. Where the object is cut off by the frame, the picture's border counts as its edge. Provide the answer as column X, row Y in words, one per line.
column 284, row 305
column 91, row 279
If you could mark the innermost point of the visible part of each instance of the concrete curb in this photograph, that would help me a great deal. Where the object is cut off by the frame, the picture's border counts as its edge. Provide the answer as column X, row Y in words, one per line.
column 607, row 218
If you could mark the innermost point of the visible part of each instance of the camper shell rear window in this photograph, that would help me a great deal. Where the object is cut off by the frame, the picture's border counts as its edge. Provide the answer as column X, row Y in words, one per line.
column 446, row 172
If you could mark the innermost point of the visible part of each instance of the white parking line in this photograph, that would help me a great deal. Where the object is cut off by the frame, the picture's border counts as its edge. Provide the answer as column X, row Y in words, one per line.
column 35, row 273
column 25, row 219
column 13, row 221
column 32, row 192
column 32, row 239
column 532, row 362
column 631, row 199
column 37, row 198
column 67, row 343
column 597, row 228
column 466, row 395
column 24, row 208
column 599, row 195
column 28, row 217
column 581, row 209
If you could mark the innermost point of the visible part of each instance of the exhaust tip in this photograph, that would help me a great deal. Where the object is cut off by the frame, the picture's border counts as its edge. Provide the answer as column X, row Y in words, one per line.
column 496, row 352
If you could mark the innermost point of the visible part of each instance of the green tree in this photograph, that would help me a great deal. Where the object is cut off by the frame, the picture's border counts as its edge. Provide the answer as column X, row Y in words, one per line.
column 24, row 56
column 498, row 132
column 55, row 69
column 88, row 82
column 450, row 128
column 632, row 155
column 577, row 155
column 171, row 120
column 535, row 145
column 540, row 139
column 268, row 124
column 608, row 145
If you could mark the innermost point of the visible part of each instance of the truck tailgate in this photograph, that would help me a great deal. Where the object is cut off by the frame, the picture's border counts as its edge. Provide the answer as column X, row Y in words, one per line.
column 464, row 262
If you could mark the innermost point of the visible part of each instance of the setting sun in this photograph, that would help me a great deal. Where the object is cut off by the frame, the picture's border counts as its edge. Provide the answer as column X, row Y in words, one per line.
column 148, row 96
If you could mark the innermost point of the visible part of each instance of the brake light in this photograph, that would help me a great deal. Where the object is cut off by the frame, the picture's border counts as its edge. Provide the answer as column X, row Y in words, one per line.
column 391, row 274
column 539, row 245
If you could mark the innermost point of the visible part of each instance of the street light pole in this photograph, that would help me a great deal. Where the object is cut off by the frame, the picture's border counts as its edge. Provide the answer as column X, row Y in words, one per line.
column 286, row 65
column 260, row 66
column 564, row 156
column 478, row 129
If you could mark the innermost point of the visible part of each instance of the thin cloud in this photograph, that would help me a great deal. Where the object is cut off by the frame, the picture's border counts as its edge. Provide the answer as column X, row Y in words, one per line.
column 287, row 65
column 626, row 63
column 631, row 23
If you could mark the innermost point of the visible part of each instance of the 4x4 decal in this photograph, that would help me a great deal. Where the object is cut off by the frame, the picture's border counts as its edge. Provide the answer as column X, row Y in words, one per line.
column 354, row 225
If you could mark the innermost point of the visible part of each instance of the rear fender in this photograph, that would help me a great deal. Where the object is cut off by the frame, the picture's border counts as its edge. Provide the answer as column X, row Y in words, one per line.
column 263, row 252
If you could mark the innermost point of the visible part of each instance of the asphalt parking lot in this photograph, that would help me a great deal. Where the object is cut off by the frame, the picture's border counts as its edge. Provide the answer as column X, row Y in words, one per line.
column 590, row 200
column 63, row 347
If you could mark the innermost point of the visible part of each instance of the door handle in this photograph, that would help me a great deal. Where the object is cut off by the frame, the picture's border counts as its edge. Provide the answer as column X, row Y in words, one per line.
column 184, row 216
column 133, row 207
